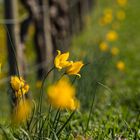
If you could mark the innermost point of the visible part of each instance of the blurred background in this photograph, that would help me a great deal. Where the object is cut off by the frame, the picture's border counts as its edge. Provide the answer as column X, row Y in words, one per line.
column 103, row 33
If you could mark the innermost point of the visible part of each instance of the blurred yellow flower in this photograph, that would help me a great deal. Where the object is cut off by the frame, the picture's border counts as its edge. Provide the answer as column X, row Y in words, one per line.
column 0, row 67
column 103, row 46
column 21, row 112
column 107, row 17
column 120, row 65
column 112, row 36
column 61, row 60
column 122, row 2
column 19, row 86
column 17, row 83
column 75, row 68
column 62, row 95
column 114, row 51
column 120, row 15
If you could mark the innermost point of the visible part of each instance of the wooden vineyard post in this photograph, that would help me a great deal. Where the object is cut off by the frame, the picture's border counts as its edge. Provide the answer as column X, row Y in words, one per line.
column 47, row 34
column 13, row 40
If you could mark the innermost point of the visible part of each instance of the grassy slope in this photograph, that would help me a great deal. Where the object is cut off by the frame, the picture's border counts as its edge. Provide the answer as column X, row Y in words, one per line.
column 116, row 112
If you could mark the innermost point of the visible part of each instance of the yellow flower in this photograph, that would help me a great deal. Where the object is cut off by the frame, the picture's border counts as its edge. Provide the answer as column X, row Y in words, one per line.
column 103, row 46
column 0, row 67
column 75, row 68
column 16, row 82
column 62, row 95
column 120, row 65
column 21, row 111
column 19, row 86
column 24, row 90
column 120, row 15
column 61, row 60
column 107, row 17
column 114, row 51
column 112, row 36
column 122, row 2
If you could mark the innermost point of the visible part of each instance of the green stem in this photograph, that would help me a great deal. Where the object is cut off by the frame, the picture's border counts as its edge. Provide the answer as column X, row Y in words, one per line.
column 42, row 87
column 91, row 108
column 65, row 123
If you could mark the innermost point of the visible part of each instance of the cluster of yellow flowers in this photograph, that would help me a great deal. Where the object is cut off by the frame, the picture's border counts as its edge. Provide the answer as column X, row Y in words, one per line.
column 72, row 68
column 22, row 107
column 112, row 35
column 62, row 95
column 19, row 86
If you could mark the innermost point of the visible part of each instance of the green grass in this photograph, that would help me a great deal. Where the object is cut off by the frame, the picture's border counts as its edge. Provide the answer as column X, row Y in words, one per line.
column 116, row 111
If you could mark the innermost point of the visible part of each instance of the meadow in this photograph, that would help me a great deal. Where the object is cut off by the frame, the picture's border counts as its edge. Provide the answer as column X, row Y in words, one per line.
column 107, row 91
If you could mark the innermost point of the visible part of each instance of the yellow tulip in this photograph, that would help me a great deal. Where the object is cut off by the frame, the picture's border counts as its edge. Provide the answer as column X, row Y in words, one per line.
column 19, row 86
column 103, row 46
column 24, row 90
column 16, row 82
column 112, row 36
column 107, row 17
column 62, row 95
column 120, row 65
column 61, row 60
column 75, row 68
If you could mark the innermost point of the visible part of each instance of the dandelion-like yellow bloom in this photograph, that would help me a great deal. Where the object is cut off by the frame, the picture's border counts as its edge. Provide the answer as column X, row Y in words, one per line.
column 19, row 86
column 114, row 51
column 122, row 2
column 75, row 68
column 112, row 36
column 62, row 95
column 17, row 83
column 120, row 65
column 120, row 15
column 21, row 112
column 103, row 46
column 107, row 17
column 61, row 60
